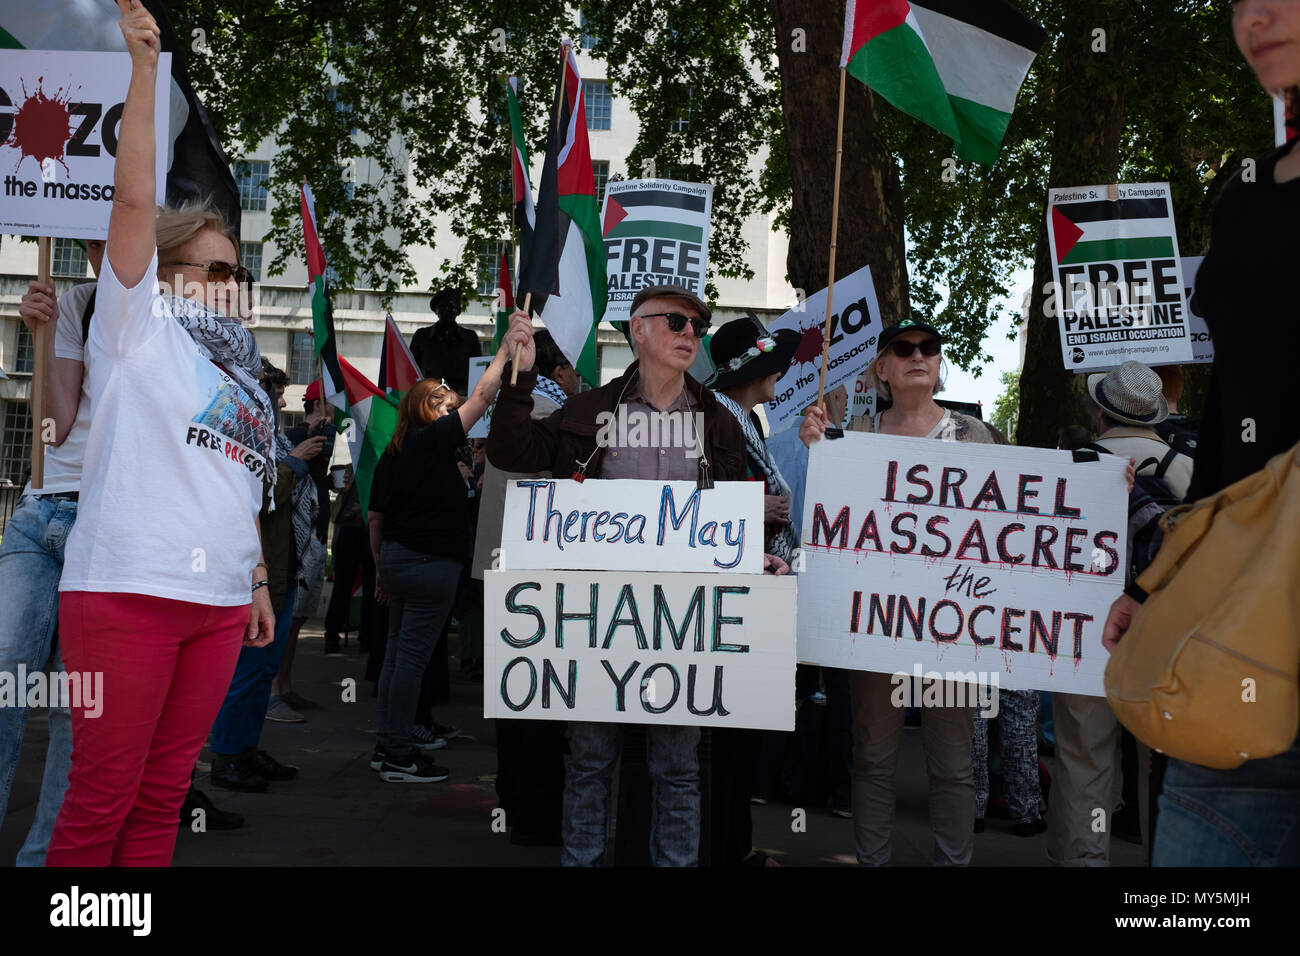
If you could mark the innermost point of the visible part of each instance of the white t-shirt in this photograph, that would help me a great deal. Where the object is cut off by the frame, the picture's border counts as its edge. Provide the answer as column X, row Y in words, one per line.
column 63, row 464
column 174, row 461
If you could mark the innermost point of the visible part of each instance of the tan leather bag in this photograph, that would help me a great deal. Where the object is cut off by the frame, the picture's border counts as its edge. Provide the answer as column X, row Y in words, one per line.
column 1207, row 672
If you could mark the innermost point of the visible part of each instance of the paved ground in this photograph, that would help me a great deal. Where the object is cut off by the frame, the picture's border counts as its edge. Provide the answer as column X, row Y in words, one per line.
column 338, row 813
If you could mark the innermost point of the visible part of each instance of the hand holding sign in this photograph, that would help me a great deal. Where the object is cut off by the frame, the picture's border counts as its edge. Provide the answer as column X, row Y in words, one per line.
column 38, row 306
column 814, row 425
column 518, row 341
column 143, row 40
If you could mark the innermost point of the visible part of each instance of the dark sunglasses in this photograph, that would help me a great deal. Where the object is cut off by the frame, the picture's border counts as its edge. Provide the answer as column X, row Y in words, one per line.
column 219, row 271
column 677, row 322
column 929, row 348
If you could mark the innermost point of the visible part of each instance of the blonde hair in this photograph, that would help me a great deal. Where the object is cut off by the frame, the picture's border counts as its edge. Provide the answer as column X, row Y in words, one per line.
column 177, row 225
column 427, row 401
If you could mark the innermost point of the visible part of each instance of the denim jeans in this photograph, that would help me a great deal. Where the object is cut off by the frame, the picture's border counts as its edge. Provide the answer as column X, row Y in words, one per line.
column 1249, row 816
column 31, row 562
column 421, row 589
column 243, row 713
column 674, row 793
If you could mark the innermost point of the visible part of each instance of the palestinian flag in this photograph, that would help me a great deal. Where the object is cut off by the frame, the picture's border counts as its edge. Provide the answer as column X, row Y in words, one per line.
column 565, row 260
column 397, row 369
column 525, row 214
column 197, row 168
column 956, row 65
column 374, row 419
column 505, row 306
column 1112, row 231
column 322, row 308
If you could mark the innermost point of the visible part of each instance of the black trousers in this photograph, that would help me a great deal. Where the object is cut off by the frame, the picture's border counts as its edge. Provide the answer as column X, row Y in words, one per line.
column 530, row 774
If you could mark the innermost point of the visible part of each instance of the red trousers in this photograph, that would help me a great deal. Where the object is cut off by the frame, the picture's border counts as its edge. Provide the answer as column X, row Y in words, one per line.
column 166, row 667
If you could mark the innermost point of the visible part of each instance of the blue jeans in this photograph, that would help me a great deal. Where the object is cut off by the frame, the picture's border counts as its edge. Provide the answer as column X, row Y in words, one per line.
column 1249, row 816
column 421, row 589
column 31, row 562
column 243, row 713
column 674, row 793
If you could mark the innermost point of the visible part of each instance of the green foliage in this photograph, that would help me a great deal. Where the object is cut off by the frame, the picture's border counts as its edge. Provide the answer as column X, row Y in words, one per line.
column 1006, row 411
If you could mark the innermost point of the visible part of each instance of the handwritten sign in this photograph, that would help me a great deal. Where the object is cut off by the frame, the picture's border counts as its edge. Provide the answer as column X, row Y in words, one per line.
column 632, row 525
column 961, row 556
column 59, row 118
column 713, row 650
column 477, row 364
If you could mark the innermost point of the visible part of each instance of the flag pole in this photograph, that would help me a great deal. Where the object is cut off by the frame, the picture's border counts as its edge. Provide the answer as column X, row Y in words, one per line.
column 40, row 367
column 835, row 225
column 528, row 296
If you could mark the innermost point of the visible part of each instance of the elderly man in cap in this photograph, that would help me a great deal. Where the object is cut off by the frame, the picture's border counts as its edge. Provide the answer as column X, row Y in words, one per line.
column 1129, row 405
column 666, row 325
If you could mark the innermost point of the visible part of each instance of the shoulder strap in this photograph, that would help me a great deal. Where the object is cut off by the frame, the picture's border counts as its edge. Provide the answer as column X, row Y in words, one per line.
column 1166, row 462
column 1093, row 446
column 86, row 313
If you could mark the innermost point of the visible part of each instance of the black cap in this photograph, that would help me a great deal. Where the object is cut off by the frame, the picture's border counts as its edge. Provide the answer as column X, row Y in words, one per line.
column 907, row 325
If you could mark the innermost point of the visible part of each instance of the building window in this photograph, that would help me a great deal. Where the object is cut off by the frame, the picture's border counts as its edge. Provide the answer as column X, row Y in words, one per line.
column 489, row 265
column 16, row 443
column 251, row 175
column 343, row 108
column 588, row 41
column 595, row 94
column 683, row 122
column 302, row 358
column 600, row 172
column 250, row 257
column 69, row 259
column 290, row 419
column 23, row 353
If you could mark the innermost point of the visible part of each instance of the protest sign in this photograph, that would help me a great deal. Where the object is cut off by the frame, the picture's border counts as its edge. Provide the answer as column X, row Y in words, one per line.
column 863, row 400
column 713, row 650
column 656, row 233
column 1202, row 344
column 633, row 525
column 1115, row 261
column 855, row 326
column 477, row 364
column 961, row 557
column 59, row 118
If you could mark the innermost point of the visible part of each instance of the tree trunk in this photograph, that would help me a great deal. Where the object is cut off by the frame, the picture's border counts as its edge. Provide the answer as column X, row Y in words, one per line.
column 1088, row 115
column 871, row 199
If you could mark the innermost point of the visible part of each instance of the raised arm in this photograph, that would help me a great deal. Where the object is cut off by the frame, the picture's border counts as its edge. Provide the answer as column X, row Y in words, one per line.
column 131, row 241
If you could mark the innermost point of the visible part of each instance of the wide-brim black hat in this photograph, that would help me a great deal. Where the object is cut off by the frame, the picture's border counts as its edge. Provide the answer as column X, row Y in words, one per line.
column 743, row 350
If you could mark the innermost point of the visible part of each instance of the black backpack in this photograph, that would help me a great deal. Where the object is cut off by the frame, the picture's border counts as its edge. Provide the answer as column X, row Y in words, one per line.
column 86, row 314
column 1150, row 498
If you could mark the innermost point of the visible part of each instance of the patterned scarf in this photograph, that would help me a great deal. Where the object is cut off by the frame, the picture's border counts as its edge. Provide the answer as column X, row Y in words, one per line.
column 784, row 542
column 549, row 389
column 304, row 502
column 230, row 344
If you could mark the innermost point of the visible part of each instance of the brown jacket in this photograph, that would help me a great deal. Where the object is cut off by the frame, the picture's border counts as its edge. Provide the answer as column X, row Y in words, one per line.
column 568, row 437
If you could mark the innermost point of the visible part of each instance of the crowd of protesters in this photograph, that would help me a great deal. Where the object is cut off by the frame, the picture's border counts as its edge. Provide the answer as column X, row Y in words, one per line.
column 185, row 581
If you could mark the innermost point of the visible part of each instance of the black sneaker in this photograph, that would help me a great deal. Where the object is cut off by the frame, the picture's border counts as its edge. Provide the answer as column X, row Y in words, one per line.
column 239, row 776
column 1031, row 828
column 445, row 732
column 332, row 646
column 213, row 819
column 378, row 758
column 414, row 769
column 265, row 765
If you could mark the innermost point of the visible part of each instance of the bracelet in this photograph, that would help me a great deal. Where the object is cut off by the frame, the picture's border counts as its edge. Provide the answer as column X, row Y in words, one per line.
column 261, row 584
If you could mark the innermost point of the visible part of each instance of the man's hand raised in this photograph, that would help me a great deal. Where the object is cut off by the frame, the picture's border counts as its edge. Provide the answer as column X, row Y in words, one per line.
column 521, row 333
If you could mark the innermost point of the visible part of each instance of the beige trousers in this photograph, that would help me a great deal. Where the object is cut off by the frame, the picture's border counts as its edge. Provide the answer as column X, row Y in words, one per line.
column 946, row 731
column 1083, row 791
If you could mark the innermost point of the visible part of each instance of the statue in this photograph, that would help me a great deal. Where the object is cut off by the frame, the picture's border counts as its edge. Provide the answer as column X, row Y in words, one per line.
column 443, row 350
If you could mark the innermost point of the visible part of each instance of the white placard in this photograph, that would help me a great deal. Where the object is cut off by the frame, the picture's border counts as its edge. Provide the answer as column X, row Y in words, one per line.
column 477, row 364
column 713, row 650
column 60, row 114
column 961, row 558
column 656, row 233
column 633, row 525
column 855, row 326
column 1118, row 286
column 1202, row 344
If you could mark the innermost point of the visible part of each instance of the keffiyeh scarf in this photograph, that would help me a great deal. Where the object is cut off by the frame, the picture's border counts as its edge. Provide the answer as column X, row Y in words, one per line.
column 548, row 388
column 303, row 500
column 784, row 542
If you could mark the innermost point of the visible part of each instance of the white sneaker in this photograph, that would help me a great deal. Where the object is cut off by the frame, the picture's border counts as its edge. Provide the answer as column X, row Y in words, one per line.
column 425, row 740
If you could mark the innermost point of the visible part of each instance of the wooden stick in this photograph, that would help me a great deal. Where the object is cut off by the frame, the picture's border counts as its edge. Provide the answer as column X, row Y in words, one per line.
column 40, row 367
column 835, row 225
column 519, row 346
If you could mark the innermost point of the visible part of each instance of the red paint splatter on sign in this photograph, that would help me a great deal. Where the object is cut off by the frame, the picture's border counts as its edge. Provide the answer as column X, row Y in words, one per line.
column 809, row 350
column 42, row 126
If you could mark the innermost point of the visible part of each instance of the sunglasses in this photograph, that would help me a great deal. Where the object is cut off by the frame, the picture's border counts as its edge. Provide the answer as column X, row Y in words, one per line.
column 677, row 322
column 929, row 348
column 219, row 271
